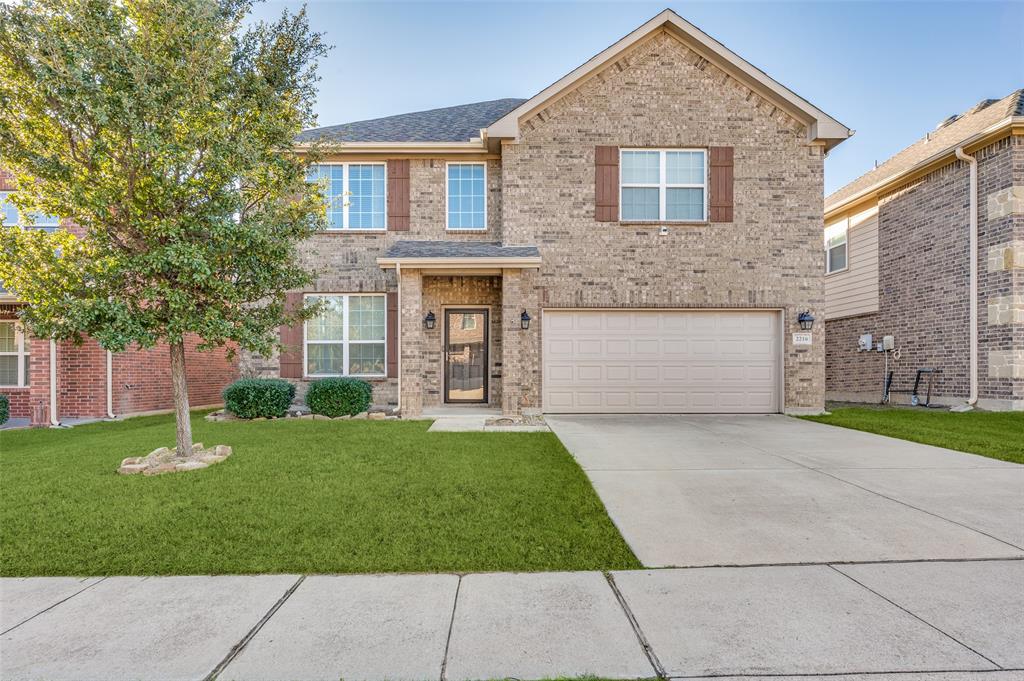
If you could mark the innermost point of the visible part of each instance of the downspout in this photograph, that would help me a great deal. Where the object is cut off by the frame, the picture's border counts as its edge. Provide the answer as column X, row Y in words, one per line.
column 54, row 421
column 398, row 335
column 973, row 255
column 110, row 385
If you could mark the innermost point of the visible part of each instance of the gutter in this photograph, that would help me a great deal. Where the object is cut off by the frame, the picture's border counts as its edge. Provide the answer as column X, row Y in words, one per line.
column 973, row 255
column 398, row 335
column 54, row 421
column 462, row 263
column 110, row 385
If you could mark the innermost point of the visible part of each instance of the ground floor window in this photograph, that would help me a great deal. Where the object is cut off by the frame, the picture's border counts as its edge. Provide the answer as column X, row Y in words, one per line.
column 14, row 355
column 348, row 337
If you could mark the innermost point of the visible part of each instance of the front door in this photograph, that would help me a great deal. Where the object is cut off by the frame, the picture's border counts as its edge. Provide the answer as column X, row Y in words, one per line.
column 465, row 355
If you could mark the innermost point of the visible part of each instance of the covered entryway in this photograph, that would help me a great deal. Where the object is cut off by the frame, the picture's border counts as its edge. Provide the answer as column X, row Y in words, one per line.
column 661, row 361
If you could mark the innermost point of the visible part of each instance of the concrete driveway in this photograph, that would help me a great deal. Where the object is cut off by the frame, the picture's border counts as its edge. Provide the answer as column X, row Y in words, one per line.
column 773, row 490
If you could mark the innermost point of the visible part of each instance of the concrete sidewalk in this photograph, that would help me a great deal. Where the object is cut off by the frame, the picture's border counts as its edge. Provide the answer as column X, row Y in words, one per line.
column 934, row 621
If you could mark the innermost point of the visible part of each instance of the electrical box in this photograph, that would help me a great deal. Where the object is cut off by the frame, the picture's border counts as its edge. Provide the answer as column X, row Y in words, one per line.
column 864, row 342
column 888, row 343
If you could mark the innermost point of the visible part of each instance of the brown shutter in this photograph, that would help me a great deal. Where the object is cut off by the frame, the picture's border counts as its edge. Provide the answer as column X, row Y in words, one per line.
column 291, row 339
column 606, row 184
column 391, row 331
column 721, row 184
column 398, row 196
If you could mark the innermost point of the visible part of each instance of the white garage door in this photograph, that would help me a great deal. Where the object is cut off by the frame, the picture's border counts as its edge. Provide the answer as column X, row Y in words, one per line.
column 616, row 361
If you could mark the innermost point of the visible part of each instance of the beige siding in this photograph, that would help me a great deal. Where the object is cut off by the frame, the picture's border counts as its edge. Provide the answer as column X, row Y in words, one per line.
column 855, row 290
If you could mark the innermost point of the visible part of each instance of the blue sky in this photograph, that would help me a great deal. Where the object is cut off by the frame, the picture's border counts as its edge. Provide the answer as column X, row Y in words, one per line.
column 889, row 70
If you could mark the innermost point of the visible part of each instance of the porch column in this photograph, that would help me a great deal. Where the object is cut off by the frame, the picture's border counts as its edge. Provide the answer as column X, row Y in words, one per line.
column 412, row 344
column 511, row 342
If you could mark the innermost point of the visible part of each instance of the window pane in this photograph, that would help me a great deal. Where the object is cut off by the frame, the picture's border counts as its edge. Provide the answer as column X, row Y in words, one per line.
column 325, row 358
column 837, row 258
column 640, row 203
column 366, row 358
column 7, row 340
column 366, row 196
column 27, row 372
column 11, row 217
column 684, row 167
column 641, row 167
column 466, row 196
column 366, row 316
column 684, row 204
column 10, row 213
column 8, row 370
column 330, row 324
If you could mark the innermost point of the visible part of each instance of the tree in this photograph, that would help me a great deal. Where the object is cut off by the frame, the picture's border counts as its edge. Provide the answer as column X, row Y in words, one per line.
column 163, row 129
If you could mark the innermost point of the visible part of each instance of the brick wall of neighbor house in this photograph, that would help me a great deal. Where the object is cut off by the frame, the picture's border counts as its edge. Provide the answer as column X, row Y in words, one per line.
column 660, row 93
column 924, row 278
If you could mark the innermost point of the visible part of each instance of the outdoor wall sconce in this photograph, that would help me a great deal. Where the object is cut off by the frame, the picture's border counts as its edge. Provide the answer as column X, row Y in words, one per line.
column 430, row 321
column 524, row 320
column 806, row 320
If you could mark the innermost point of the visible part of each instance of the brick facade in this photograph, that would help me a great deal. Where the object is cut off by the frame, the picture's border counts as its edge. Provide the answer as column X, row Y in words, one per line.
column 924, row 281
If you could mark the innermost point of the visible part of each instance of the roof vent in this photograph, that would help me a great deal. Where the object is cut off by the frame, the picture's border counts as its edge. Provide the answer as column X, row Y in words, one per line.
column 946, row 122
column 983, row 104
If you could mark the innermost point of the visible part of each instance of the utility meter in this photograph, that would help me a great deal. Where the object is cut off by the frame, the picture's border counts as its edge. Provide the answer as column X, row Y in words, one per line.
column 864, row 342
column 888, row 343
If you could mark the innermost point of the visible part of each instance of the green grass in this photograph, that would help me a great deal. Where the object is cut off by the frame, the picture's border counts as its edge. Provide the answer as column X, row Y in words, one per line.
column 299, row 496
column 998, row 435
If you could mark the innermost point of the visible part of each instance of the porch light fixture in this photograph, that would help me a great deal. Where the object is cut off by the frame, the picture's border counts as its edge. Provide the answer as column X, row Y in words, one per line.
column 430, row 321
column 524, row 320
column 806, row 320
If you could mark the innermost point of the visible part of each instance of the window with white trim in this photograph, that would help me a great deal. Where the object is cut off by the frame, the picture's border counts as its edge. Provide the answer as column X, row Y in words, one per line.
column 663, row 185
column 11, row 216
column 836, row 242
column 467, row 196
column 14, row 356
column 355, row 194
column 348, row 338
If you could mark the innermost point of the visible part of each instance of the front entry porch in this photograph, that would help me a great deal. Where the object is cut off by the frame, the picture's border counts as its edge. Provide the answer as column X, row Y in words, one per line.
column 460, row 336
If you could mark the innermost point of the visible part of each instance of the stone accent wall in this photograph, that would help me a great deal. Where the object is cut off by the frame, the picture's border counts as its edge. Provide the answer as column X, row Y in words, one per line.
column 661, row 94
column 924, row 281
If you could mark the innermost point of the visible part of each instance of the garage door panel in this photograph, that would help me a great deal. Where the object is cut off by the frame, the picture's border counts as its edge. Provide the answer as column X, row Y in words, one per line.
column 704, row 361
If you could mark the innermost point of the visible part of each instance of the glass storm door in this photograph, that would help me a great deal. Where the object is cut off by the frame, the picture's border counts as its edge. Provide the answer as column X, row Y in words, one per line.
column 465, row 356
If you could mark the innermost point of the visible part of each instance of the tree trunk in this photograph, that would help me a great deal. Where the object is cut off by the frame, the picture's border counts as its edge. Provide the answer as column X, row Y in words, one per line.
column 180, row 387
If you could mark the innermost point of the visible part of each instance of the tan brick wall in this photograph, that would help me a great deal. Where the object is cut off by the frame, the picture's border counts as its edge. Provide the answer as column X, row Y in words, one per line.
column 662, row 94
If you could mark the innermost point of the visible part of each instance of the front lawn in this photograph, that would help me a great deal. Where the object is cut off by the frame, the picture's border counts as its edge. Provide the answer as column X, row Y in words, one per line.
column 299, row 496
column 999, row 435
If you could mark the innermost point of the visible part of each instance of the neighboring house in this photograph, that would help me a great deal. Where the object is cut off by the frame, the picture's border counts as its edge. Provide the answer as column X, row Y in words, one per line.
column 898, row 243
column 48, row 382
column 653, row 218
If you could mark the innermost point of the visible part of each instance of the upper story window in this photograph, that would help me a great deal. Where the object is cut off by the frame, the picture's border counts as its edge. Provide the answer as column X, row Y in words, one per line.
column 348, row 337
column 836, row 253
column 47, row 223
column 663, row 185
column 14, row 355
column 354, row 194
column 467, row 197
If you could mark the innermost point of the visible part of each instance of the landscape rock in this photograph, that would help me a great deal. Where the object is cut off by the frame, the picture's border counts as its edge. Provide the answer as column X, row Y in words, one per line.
column 360, row 415
column 164, row 460
column 376, row 415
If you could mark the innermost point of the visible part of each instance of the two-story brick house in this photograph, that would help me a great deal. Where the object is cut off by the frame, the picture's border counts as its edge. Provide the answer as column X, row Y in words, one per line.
column 900, row 249
column 641, row 236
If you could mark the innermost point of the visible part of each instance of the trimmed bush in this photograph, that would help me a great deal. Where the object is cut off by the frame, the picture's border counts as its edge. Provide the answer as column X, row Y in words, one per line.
column 5, row 409
column 339, row 396
column 251, row 398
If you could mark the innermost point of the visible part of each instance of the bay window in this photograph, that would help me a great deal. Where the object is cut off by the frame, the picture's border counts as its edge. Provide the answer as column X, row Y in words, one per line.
column 348, row 337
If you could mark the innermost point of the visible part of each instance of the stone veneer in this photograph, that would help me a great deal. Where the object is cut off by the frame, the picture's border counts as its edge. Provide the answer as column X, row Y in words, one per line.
column 924, row 280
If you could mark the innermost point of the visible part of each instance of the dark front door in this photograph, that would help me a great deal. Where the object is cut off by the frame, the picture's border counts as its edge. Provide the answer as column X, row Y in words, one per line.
column 465, row 355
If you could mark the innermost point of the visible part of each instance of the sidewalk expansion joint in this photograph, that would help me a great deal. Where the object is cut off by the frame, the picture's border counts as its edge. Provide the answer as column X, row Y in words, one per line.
column 451, row 626
column 641, row 638
column 918, row 617
column 51, row 607
column 238, row 647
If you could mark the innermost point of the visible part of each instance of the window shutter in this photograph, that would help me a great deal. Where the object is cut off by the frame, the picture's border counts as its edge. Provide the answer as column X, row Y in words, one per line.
column 398, row 195
column 291, row 339
column 721, row 200
column 391, row 333
column 606, row 184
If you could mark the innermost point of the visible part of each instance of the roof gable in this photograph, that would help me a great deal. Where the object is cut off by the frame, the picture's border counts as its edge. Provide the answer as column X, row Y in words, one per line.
column 821, row 127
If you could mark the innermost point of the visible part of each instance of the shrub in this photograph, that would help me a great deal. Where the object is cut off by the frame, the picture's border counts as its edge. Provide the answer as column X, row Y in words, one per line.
column 5, row 409
column 339, row 396
column 251, row 398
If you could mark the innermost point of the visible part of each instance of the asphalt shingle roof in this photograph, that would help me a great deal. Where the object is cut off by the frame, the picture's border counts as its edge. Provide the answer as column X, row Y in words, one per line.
column 459, row 249
column 450, row 124
column 981, row 116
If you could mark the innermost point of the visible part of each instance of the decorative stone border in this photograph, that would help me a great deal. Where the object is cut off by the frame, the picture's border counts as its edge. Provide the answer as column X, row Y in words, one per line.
column 224, row 415
column 166, row 460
